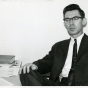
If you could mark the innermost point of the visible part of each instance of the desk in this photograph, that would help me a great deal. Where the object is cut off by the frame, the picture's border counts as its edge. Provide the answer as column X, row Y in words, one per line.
column 14, row 79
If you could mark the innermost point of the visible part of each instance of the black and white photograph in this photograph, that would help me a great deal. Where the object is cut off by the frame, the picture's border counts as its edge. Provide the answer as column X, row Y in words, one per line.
column 43, row 43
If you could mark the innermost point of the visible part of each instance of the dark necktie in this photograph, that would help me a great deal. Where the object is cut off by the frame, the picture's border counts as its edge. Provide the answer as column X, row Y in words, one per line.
column 71, row 73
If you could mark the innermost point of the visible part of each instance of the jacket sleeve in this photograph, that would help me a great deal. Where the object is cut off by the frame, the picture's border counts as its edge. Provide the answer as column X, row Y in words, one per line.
column 45, row 64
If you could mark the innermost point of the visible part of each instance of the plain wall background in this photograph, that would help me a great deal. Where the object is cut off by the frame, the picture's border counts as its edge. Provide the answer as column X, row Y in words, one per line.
column 28, row 29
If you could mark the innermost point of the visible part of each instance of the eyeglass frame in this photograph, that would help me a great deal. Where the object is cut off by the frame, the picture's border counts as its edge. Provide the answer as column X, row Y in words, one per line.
column 75, row 18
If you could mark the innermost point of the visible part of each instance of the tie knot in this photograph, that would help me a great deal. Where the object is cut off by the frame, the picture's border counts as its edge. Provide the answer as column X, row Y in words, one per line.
column 75, row 40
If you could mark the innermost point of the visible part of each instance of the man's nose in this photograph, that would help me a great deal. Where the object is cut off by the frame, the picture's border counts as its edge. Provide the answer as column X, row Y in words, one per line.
column 71, row 21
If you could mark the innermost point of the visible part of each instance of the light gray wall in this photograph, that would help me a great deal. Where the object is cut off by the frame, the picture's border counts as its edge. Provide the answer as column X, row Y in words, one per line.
column 29, row 29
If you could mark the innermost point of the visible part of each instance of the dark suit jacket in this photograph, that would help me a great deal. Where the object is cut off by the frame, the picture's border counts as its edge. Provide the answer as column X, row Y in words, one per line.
column 55, row 60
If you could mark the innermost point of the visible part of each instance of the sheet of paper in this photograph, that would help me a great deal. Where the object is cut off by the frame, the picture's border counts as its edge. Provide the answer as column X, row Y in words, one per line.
column 13, row 71
column 7, row 72
column 4, row 82
column 5, row 65
column 4, row 72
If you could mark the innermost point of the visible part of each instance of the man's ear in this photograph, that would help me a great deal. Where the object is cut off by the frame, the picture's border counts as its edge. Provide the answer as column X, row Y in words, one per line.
column 84, row 22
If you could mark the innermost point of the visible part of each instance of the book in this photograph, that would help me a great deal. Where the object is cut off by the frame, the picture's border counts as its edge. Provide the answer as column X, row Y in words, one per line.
column 7, row 59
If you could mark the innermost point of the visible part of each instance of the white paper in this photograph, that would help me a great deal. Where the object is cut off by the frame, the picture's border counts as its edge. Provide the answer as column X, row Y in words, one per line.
column 7, row 72
column 5, row 65
column 4, row 72
column 13, row 71
column 4, row 82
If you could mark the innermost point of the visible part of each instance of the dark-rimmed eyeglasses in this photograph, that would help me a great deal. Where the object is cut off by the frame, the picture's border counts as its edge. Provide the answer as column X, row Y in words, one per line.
column 75, row 18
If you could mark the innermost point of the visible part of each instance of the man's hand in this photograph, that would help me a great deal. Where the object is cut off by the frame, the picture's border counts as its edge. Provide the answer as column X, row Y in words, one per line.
column 26, row 68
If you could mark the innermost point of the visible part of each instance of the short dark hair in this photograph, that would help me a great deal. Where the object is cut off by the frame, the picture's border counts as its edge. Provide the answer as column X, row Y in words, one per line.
column 74, row 7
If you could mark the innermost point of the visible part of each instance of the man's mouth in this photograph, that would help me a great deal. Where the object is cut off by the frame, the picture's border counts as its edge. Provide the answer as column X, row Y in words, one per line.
column 72, row 28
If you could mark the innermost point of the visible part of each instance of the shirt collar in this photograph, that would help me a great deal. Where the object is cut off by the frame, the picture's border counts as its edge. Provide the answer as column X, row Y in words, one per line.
column 78, row 39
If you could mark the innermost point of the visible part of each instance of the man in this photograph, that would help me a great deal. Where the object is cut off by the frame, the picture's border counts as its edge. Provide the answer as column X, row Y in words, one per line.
column 67, row 61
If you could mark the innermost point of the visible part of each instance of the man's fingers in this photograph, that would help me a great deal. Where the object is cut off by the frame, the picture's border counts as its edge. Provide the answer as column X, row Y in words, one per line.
column 34, row 67
column 20, row 71
column 26, row 68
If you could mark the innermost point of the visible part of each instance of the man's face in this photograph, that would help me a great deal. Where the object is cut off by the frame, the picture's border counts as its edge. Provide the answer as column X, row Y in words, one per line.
column 74, row 26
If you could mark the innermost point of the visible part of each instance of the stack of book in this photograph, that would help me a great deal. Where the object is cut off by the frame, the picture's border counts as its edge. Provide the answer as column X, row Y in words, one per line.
column 7, row 59
column 9, row 66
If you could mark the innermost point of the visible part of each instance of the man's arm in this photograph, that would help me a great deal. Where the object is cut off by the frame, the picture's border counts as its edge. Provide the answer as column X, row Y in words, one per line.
column 43, row 65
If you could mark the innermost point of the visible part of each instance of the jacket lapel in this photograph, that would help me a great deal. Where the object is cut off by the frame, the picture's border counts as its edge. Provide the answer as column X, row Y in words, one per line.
column 83, row 45
column 65, row 46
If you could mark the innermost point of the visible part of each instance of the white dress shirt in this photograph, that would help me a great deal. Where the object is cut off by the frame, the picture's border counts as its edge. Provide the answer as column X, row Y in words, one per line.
column 67, row 66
